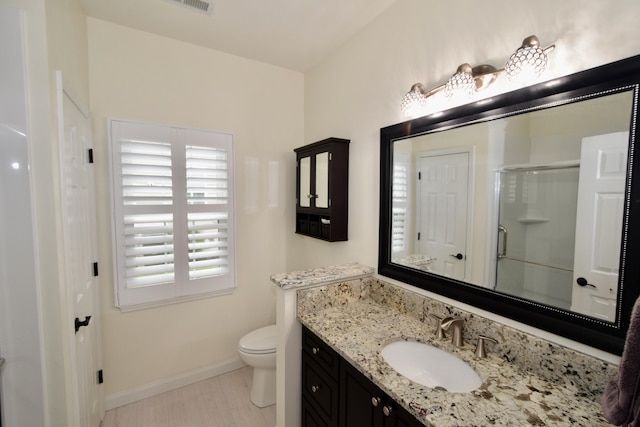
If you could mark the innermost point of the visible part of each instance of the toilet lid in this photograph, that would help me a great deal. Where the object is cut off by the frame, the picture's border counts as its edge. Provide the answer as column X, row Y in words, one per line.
column 261, row 340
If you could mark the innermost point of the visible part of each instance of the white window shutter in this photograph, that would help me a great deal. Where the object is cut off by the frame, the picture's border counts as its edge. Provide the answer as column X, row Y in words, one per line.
column 400, row 200
column 149, row 250
column 172, row 197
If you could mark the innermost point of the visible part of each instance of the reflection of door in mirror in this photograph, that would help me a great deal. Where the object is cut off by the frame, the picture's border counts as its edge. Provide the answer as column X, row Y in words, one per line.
column 536, row 232
column 441, row 219
column 599, row 224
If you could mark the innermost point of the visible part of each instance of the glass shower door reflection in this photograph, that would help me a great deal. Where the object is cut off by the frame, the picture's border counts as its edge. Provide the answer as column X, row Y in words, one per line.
column 537, row 223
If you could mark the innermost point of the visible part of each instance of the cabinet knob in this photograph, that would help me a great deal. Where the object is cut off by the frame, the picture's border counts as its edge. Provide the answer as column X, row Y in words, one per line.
column 375, row 401
column 387, row 410
column 315, row 350
column 315, row 388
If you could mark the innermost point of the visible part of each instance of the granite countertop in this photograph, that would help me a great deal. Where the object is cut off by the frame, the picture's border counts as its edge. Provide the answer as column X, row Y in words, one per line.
column 321, row 275
column 508, row 396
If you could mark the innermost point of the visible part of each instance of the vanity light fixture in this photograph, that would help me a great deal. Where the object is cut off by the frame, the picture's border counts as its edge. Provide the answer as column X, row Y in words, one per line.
column 461, row 84
column 529, row 61
column 524, row 66
column 415, row 101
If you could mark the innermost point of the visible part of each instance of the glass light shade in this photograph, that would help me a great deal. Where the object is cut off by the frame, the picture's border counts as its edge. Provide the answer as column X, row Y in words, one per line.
column 528, row 62
column 414, row 102
column 461, row 85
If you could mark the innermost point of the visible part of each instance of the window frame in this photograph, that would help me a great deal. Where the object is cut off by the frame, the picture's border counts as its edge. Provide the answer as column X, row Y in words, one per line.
column 182, row 288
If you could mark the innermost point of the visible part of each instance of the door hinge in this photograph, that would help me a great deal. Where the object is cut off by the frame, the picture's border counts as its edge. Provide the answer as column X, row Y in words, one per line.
column 95, row 269
column 100, row 377
column 90, row 155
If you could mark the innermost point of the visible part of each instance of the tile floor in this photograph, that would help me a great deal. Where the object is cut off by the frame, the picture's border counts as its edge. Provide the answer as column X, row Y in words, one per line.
column 222, row 401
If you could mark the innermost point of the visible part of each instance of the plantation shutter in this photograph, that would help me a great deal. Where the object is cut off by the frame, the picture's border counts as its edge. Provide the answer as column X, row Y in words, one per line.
column 172, row 202
column 207, row 184
column 400, row 197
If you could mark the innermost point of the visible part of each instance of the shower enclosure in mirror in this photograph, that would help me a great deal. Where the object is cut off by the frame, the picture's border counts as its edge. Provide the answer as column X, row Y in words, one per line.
column 522, row 204
column 536, row 231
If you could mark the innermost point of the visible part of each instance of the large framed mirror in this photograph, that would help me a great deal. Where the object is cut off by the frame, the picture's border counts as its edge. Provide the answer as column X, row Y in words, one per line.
column 525, row 204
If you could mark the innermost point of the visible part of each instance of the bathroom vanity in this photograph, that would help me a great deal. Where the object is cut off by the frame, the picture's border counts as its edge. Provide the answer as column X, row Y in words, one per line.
column 335, row 393
column 525, row 380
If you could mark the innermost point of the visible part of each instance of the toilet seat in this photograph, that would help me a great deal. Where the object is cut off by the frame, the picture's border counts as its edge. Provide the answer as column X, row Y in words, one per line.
column 260, row 341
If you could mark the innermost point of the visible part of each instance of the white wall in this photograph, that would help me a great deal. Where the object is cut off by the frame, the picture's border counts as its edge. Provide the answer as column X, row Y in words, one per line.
column 358, row 89
column 140, row 76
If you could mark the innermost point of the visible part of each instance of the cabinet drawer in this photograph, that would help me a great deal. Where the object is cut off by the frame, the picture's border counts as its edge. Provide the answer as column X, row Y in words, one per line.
column 320, row 352
column 320, row 390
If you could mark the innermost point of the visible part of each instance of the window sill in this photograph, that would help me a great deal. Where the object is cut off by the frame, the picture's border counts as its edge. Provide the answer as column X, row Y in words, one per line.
column 176, row 300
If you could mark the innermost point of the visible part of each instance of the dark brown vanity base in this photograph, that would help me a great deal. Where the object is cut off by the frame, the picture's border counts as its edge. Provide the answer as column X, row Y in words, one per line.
column 334, row 393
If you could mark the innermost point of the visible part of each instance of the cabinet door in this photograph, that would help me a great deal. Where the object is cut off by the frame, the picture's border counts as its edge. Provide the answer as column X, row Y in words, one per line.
column 310, row 417
column 322, row 180
column 361, row 400
column 305, row 194
column 364, row 404
column 320, row 390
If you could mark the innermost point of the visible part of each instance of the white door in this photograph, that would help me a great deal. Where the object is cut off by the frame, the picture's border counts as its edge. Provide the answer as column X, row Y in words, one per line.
column 603, row 168
column 78, row 215
column 443, row 181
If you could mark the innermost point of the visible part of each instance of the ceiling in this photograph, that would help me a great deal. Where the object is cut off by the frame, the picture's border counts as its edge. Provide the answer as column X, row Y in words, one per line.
column 294, row 34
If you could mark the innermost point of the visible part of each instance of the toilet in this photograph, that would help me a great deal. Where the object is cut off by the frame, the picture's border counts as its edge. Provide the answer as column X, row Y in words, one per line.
column 258, row 350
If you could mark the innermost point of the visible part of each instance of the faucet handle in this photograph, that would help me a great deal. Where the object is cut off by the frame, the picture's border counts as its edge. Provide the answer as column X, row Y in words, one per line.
column 480, row 350
column 438, row 331
column 458, row 325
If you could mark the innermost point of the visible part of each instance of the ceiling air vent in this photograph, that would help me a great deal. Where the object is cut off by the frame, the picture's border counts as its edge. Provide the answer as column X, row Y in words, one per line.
column 202, row 6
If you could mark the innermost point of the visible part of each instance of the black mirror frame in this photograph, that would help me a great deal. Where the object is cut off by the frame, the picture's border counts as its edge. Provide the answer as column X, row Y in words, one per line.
column 603, row 80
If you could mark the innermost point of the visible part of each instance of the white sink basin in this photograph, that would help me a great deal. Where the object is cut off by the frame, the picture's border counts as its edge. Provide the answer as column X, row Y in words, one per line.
column 430, row 366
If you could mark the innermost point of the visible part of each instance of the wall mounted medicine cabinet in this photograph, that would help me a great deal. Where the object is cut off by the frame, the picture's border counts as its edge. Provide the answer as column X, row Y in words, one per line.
column 322, row 189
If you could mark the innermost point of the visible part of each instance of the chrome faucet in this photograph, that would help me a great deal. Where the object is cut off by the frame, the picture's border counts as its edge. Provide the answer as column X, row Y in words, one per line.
column 458, row 329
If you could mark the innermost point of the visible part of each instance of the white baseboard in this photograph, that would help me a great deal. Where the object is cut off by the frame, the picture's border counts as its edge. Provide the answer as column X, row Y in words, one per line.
column 138, row 393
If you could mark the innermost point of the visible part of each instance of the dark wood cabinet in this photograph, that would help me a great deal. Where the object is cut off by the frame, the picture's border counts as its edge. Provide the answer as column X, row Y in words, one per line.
column 310, row 418
column 322, row 189
column 363, row 403
column 336, row 394
column 320, row 381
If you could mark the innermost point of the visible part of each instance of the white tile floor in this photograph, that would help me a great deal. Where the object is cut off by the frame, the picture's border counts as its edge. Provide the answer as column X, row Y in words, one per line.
column 222, row 401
